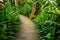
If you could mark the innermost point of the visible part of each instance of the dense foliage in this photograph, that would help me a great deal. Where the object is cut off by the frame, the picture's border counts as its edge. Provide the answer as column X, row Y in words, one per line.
column 9, row 20
column 47, row 21
column 58, row 2
column 47, row 27
column 25, row 9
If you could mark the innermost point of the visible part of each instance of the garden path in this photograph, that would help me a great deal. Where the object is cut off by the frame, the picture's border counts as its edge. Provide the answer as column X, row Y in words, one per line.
column 27, row 30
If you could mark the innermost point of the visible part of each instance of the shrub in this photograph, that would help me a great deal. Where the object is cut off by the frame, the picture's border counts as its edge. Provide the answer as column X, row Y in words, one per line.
column 9, row 21
column 25, row 10
column 48, row 26
column 47, row 21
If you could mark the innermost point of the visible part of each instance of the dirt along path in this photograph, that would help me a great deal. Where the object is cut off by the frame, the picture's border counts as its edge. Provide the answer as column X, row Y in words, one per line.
column 27, row 30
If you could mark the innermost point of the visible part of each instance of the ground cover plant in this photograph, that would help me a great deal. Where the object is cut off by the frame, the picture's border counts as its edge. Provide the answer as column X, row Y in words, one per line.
column 9, row 21
column 47, row 23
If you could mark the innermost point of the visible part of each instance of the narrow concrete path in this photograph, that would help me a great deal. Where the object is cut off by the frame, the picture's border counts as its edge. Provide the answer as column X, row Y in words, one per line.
column 27, row 30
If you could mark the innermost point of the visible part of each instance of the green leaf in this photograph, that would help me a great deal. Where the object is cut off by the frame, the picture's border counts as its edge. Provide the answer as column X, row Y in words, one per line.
column 4, row 28
column 48, row 35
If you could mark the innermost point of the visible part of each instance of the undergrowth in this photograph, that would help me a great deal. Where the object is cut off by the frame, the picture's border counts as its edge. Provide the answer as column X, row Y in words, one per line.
column 9, row 21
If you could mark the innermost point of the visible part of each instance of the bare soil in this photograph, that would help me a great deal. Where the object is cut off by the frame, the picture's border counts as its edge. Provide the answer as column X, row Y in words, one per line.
column 27, row 30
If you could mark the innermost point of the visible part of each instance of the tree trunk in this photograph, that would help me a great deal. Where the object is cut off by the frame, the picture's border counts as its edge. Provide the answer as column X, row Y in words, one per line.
column 33, row 10
column 1, row 5
column 16, row 3
column 8, row 1
column 23, row 1
column 1, row 0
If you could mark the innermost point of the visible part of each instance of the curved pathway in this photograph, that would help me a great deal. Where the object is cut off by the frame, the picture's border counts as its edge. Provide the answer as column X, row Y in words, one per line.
column 27, row 30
